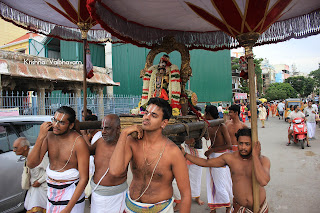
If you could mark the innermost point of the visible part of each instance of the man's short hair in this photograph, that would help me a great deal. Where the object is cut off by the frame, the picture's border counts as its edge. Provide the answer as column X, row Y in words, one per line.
column 115, row 118
column 235, row 108
column 24, row 142
column 243, row 132
column 310, row 101
column 91, row 118
column 69, row 111
column 212, row 110
column 89, row 112
column 164, row 105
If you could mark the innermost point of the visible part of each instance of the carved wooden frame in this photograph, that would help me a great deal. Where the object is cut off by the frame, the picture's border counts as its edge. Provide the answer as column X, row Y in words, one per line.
column 169, row 45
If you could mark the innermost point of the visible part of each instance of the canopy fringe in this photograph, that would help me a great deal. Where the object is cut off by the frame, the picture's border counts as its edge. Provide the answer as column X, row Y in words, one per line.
column 298, row 27
column 49, row 29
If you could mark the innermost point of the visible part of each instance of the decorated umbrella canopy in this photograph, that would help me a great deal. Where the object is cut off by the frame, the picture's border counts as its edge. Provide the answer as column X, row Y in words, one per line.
column 211, row 25
column 64, row 19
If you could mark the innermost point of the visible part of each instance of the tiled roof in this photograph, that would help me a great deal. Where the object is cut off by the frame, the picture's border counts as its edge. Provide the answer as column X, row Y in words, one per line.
column 26, row 36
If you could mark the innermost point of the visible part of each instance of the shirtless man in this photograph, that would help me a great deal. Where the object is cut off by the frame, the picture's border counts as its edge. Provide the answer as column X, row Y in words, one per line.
column 241, row 163
column 234, row 124
column 155, row 161
column 68, row 162
column 109, row 192
column 219, row 183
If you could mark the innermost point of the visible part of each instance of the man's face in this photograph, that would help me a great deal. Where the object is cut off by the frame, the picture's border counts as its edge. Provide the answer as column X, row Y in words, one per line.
column 232, row 114
column 309, row 104
column 110, row 131
column 244, row 146
column 60, row 123
column 17, row 148
column 152, row 119
column 297, row 109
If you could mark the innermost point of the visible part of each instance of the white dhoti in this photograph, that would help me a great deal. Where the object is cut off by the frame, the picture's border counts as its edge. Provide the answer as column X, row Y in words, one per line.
column 163, row 206
column 219, row 185
column 60, row 193
column 36, row 199
column 195, row 174
column 109, row 199
column 311, row 127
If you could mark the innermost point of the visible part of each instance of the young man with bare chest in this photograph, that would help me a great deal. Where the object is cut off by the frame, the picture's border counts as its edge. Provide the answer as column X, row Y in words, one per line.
column 109, row 192
column 68, row 162
column 234, row 124
column 219, row 183
column 241, row 163
column 155, row 161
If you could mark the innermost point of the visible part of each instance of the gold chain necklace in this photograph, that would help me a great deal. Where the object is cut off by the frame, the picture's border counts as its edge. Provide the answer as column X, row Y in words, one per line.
column 145, row 159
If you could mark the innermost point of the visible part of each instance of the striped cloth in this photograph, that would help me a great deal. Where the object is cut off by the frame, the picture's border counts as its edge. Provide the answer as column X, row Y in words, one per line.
column 241, row 209
column 59, row 195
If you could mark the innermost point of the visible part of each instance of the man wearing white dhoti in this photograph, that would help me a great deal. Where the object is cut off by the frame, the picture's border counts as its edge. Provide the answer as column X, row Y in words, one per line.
column 195, row 174
column 36, row 199
column 310, row 113
column 219, row 183
column 68, row 168
column 108, row 192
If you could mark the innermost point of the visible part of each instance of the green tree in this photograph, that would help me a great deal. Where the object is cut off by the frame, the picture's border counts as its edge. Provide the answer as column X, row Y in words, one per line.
column 278, row 91
column 303, row 86
column 316, row 76
column 258, row 72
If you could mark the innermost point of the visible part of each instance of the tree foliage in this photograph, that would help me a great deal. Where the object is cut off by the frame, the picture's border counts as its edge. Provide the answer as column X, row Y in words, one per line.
column 316, row 76
column 278, row 91
column 258, row 72
column 303, row 86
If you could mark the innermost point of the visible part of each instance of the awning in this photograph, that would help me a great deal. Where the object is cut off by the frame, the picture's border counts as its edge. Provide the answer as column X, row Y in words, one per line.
column 49, row 69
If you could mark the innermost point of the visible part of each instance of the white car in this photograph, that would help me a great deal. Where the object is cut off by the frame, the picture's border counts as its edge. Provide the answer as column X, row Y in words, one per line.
column 11, row 166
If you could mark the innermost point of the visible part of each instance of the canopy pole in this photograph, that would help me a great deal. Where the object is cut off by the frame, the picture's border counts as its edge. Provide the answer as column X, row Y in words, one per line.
column 84, row 77
column 84, row 28
column 247, row 40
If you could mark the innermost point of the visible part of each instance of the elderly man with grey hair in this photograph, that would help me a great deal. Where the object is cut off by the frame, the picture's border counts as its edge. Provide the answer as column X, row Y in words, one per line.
column 36, row 199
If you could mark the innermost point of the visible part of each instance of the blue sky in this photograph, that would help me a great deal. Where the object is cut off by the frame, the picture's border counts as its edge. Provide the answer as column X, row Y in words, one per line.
column 304, row 53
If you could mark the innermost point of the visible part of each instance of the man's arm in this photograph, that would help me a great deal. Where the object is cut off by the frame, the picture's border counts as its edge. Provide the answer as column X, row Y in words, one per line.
column 40, row 148
column 261, row 165
column 82, row 154
column 122, row 154
column 181, row 174
column 213, row 162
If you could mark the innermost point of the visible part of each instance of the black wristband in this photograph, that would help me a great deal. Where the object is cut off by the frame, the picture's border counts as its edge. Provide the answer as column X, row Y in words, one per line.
column 185, row 154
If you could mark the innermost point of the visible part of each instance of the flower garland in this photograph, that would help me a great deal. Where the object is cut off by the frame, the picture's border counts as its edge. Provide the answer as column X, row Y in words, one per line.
column 174, row 86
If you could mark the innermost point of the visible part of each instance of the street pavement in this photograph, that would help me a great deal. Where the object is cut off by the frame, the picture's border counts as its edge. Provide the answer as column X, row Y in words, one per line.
column 295, row 173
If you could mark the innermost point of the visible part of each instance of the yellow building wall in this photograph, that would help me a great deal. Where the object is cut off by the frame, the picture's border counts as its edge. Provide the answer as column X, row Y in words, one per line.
column 18, row 47
column 9, row 32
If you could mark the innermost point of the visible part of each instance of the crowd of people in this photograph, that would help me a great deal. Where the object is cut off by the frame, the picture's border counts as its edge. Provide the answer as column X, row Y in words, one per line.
column 163, row 173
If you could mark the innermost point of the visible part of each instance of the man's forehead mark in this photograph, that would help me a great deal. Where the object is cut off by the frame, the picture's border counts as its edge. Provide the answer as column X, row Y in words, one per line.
column 60, row 119
column 152, row 108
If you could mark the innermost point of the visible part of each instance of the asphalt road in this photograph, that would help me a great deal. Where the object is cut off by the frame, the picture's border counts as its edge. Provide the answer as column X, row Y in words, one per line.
column 295, row 173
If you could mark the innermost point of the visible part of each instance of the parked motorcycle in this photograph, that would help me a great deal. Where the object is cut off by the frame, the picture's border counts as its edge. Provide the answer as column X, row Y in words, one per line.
column 299, row 134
